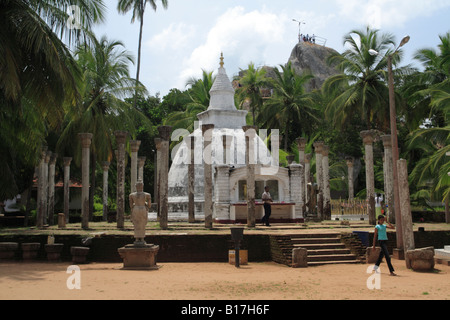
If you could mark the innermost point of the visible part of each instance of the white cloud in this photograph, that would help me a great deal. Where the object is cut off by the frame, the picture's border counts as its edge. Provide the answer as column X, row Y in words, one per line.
column 242, row 37
column 388, row 13
column 174, row 37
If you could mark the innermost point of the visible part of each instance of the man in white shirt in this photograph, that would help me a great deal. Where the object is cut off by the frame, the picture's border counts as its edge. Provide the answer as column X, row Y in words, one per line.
column 267, row 199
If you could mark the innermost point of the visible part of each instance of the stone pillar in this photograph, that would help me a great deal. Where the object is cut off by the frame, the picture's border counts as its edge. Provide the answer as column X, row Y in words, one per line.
column 164, row 134
column 86, row 140
column 301, row 144
column 105, row 167
column 40, row 193
column 351, row 189
column 157, row 178
column 389, row 178
column 296, row 181
column 250, row 161
column 51, row 189
column 134, row 146
column 226, row 141
column 405, row 209
column 45, row 190
column 368, row 138
column 207, row 131
column 141, row 165
column 67, row 161
column 326, row 183
column 318, row 146
column 121, row 139
column 222, row 198
column 308, row 157
column 191, row 179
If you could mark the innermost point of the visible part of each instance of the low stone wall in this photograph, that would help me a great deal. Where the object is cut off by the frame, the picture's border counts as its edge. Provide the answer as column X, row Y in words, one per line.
column 173, row 248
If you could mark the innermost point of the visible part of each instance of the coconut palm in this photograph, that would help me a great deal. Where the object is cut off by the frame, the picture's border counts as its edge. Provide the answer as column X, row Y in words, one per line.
column 138, row 8
column 430, row 173
column 199, row 97
column 250, row 85
column 290, row 107
column 362, row 85
column 105, row 82
column 37, row 75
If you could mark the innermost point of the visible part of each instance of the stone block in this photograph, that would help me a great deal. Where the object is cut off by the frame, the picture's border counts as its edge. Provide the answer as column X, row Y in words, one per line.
column 53, row 251
column 8, row 250
column 372, row 255
column 139, row 257
column 299, row 258
column 79, row 254
column 421, row 259
column 30, row 250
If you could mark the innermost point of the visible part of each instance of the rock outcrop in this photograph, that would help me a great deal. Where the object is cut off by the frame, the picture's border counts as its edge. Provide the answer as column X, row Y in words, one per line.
column 312, row 59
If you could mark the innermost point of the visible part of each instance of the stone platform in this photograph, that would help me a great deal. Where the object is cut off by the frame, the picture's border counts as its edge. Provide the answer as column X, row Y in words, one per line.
column 139, row 257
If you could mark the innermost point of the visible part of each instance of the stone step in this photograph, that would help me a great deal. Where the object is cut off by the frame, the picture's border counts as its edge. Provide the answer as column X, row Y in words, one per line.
column 315, row 240
column 320, row 252
column 313, row 235
column 331, row 257
column 318, row 246
column 320, row 263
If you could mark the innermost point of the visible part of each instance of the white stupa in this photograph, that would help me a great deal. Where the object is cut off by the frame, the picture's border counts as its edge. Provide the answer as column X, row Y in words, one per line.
column 228, row 161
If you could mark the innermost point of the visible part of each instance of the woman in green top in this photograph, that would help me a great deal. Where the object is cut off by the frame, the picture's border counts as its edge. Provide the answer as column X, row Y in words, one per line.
column 381, row 236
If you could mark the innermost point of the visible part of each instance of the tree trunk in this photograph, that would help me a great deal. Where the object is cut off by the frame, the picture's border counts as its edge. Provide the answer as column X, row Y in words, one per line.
column 139, row 58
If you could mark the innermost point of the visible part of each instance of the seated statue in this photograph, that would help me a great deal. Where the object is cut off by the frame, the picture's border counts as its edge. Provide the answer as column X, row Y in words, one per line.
column 140, row 203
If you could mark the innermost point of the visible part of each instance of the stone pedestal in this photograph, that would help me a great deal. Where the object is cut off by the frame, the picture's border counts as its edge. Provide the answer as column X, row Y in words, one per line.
column 30, row 250
column 139, row 257
column 79, row 254
column 372, row 255
column 8, row 250
column 54, row 251
column 299, row 258
column 421, row 259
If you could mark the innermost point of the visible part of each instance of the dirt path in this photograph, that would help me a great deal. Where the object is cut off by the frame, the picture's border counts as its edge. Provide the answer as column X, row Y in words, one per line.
column 220, row 281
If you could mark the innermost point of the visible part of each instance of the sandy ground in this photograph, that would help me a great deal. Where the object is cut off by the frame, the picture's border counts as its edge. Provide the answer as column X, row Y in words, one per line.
column 220, row 281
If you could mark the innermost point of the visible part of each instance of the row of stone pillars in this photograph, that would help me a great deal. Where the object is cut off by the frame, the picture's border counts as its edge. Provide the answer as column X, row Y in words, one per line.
column 137, row 165
column 46, row 176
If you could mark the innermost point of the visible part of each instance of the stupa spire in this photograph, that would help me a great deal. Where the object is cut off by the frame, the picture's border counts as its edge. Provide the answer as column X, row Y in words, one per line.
column 221, row 60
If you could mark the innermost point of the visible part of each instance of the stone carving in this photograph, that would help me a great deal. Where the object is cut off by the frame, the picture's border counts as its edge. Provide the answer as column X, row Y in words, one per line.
column 140, row 203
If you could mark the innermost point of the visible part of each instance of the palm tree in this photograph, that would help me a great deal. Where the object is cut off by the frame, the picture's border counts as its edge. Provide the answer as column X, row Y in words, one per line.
column 199, row 97
column 37, row 75
column 138, row 7
column 290, row 107
column 250, row 85
column 102, row 111
column 362, row 85
column 430, row 173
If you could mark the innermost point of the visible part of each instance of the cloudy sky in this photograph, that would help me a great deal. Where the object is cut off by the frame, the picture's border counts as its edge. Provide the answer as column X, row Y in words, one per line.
column 187, row 37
